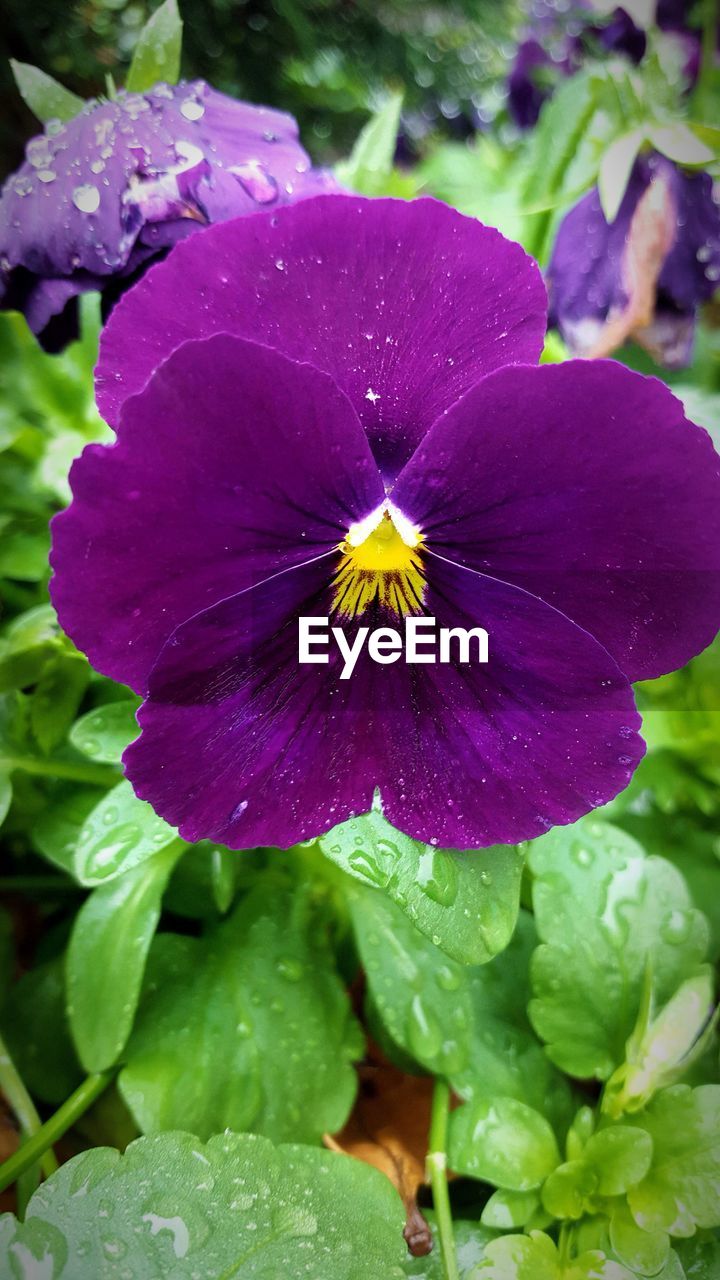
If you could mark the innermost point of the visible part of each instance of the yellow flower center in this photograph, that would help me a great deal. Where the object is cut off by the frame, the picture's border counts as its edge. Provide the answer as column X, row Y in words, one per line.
column 380, row 565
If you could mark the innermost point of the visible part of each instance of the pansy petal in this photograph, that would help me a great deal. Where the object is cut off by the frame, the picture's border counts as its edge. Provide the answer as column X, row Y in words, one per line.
column 584, row 484
column 243, row 744
column 211, row 486
column 406, row 305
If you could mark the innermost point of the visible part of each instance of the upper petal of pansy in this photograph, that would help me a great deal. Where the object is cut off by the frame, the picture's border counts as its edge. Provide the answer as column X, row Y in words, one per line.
column 584, row 484
column 243, row 744
column 405, row 304
column 234, row 463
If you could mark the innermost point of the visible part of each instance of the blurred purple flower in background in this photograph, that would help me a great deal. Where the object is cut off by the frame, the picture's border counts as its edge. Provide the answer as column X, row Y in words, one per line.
column 645, row 274
column 335, row 411
column 555, row 45
column 118, row 185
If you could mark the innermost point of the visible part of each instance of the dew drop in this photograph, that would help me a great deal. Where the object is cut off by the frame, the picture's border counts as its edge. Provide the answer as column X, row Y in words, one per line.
column 86, row 198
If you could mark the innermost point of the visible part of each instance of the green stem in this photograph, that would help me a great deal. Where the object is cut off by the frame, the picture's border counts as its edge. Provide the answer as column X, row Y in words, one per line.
column 97, row 775
column 54, row 1128
column 22, row 1105
column 437, row 1174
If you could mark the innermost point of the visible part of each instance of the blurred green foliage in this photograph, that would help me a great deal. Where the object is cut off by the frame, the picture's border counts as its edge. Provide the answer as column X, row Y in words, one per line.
column 327, row 62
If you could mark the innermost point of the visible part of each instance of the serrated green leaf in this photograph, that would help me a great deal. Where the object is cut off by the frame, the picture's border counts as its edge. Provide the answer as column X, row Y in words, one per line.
column 236, row 1206
column 46, row 98
column 680, row 1192
column 467, row 1024
column 503, row 1142
column 248, row 1028
column 470, row 1241
column 106, row 957
column 604, row 912
column 103, row 734
column 119, row 833
column 466, row 901
column 370, row 162
column 158, row 50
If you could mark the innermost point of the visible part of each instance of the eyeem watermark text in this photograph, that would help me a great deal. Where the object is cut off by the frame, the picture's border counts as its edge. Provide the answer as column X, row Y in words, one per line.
column 422, row 642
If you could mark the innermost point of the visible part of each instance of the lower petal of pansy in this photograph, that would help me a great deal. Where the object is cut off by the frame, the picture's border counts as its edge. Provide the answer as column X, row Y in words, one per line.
column 210, row 488
column 584, row 484
column 244, row 745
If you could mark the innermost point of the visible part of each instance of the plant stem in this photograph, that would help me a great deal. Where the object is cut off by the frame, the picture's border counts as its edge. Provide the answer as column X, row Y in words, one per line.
column 22, row 1105
column 54, row 1128
column 98, row 775
column 437, row 1174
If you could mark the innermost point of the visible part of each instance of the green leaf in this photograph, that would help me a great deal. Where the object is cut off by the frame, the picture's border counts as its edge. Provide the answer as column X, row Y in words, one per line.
column 678, row 142
column 5, row 796
column 235, row 1207
column 106, row 957
column 371, row 159
column 646, row 1252
column 700, row 1257
column 249, row 1027
column 28, row 642
column 503, row 1142
column 536, row 1257
column 615, row 169
column 57, row 830
column 158, row 50
column 46, row 98
column 564, row 151
column 103, row 734
column 56, row 698
column 605, row 913
column 612, row 1160
column 465, row 901
column 470, row 1241
column 510, row 1210
column 119, row 833
column 36, row 1030
column 680, row 1191
column 468, row 1025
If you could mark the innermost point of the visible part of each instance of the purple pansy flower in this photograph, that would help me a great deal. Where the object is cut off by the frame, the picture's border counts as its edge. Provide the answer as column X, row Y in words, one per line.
column 124, row 180
column 335, row 411
column 645, row 274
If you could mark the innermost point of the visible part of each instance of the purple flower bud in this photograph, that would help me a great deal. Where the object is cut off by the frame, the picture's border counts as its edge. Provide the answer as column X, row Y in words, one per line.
column 99, row 197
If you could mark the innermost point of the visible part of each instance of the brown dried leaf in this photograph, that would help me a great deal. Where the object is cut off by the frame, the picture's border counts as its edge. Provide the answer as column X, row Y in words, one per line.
column 388, row 1129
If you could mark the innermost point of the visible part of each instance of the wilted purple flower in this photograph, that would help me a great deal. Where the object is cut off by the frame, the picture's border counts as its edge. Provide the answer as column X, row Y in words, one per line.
column 335, row 412
column 124, row 180
column 643, row 275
